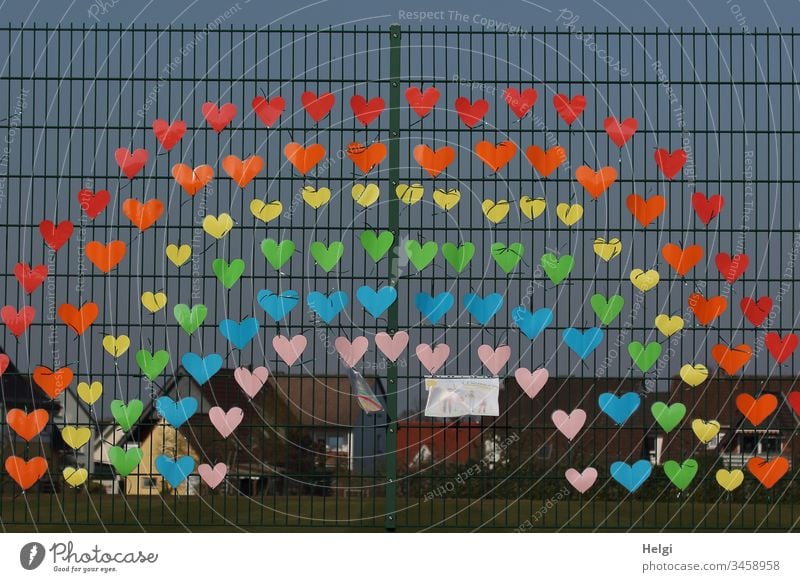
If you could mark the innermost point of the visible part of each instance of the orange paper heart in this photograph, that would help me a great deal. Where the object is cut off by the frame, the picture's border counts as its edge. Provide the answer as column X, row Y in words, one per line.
column 546, row 162
column 495, row 156
column 106, row 257
column 52, row 382
column 707, row 310
column 26, row 473
column 143, row 216
column 682, row 260
column 434, row 162
column 304, row 159
column 365, row 157
column 192, row 181
column 78, row 320
column 731, row 359
column 768, row 472
column 27, row 426
column 596, row 182
column 242, row 172
column 646, row 211
column 756, row 410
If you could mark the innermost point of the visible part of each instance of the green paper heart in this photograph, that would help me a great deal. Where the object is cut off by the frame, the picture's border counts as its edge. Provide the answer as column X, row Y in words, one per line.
column 190, row 319
column 376, row 245
column 228, row 273
column 557, row 268
column 126, row 415
column 644, row 356
column 668, row 416
column 458, row 257
column 152, row 364
column 681, row 474
column 421, row 255
column 125, row 461
column 327, row 256
column 277, row 253
column 507, row 257
column 607, row 310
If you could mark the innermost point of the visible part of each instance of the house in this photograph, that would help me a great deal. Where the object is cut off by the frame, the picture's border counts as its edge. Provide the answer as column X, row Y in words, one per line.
column 299, row 434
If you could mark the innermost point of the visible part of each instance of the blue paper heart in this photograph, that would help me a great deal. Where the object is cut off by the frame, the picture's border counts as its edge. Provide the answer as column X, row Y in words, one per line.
column 376, row 302
column 176, row 413
column 434, row 308
column 278, row 306
column 532, row 324
column 483, row 308
column 201, row 368
column 631, row 477
column 619, row 408
column 239, row 334
column 327, row 307
column 175, row 471
column 583, row 343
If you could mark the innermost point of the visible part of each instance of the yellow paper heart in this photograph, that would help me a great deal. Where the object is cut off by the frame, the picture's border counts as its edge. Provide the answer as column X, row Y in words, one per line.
column 694, row 375
column 446, row 199
column 76, row 437
column 365, row 196
column 266, row 211
column 569, row 214
column 116, row 346
column 607, row 249
column 409, row 194
column 705, row 431
column 495, row 211
column 178, row 254
column 90, row 393
column 154, row 302
column 532, row 207
column 74, row 476
column 316, row 198
column 645, row 280
column 669, row 325
column 218, row 226
column 730, row 480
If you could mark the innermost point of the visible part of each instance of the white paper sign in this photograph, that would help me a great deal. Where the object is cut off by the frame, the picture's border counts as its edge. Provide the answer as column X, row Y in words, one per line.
column 453, row 396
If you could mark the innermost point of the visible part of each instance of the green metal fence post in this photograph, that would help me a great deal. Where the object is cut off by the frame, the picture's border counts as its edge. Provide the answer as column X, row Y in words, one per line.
column 394, row 223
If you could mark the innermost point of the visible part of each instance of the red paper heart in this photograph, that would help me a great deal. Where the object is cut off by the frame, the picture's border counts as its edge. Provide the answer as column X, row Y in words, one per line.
column 471, row 113
column 268, row 110
column 129, row 162
column 731, row 359
column 53, row 382
column 646, row 211
column 317, row 107
column 366, row 111
column 434, row 162
column 422, row 101
column 768, row 472
column 495, row 156
column 731, row 267
column 569, row 109
column 27, row 425
column 793, row 398
column 365, row 157
column 17, row 321
column 26, row 473
column 30, row 278
column 168, row 134
column 670, row 163
column 219, row 118
column 707, row 310
column 55, row 236
column 520, row 103
column 4, row 362
column 78, row 320
column 756, row 311
column 620, row 132
column 707, row 208
column 780, row 348
column 93, row 203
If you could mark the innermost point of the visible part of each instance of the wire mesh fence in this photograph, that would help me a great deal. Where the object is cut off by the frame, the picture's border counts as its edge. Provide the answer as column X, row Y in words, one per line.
column 457, row 194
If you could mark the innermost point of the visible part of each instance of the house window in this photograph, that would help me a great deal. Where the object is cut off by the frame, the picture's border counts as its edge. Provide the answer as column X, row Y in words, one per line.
column 337, row 444
column 748, row 444
column 771, row 444
column 149, row 483
column 545, row 451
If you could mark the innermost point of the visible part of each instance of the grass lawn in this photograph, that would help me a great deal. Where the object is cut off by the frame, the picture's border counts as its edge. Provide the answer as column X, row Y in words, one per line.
column 81, row 512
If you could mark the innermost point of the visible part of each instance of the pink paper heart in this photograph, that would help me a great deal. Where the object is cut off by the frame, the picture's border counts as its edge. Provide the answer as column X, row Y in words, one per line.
column 581, row 481
column 432, row 359
column 569, row 424
column 351, row 353
column 289, row 350
column 494, row 358
column 251, row 382
column 532, row 382
column 213, row 476
column 391, row 347
column 225, row 422
column 219, row 118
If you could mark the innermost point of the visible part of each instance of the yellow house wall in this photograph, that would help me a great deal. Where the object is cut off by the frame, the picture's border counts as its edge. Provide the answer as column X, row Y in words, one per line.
column 162, row 440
